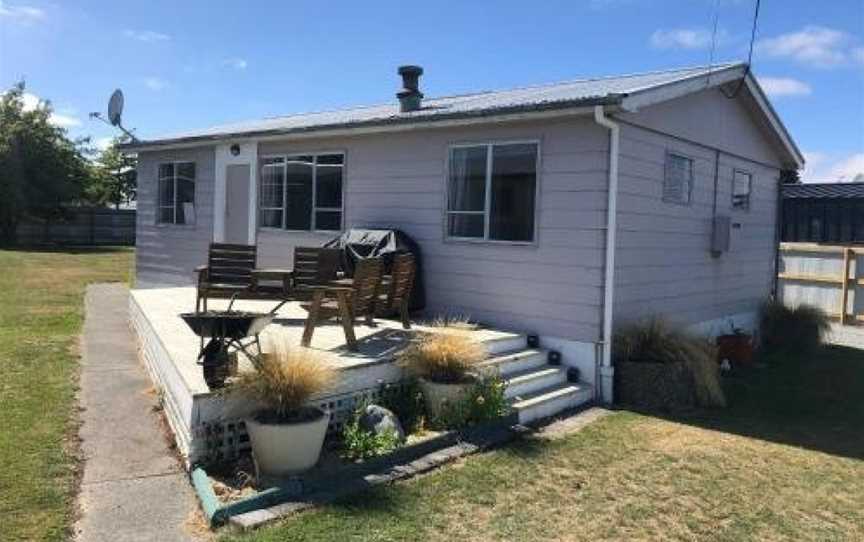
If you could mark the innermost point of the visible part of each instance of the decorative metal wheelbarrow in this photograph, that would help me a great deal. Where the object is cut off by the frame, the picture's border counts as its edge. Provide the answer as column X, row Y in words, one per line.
column 226, row 329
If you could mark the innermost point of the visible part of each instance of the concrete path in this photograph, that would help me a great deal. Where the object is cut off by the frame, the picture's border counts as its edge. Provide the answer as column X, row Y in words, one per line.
column 133, row 487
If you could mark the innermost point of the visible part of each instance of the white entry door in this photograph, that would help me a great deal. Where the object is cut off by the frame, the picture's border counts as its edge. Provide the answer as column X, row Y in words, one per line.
column 237, row 178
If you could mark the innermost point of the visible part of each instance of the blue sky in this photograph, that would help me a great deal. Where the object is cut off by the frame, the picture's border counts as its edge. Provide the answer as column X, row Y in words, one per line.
column 193, row 64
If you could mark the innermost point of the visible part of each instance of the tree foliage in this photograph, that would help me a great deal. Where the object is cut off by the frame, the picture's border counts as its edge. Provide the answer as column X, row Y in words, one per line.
column 113, row 179
column 40, row 167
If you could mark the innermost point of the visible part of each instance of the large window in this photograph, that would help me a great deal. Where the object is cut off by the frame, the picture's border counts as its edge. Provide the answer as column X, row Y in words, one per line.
column 176, row 193
column 678, row 179
column 491, row 191
column 302, row 192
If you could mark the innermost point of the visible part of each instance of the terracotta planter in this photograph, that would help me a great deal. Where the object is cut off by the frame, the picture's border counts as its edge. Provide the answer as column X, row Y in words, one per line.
column 437, row 395
column 737, row 348
column 287, row 448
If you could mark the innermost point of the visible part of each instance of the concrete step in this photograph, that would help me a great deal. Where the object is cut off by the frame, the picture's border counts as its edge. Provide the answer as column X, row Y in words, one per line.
column 499, row 342
column 513, row 362
column 531, row 380
column 549, row 401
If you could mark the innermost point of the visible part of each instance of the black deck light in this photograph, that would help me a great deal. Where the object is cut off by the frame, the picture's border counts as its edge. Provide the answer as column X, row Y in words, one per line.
column 410, row 97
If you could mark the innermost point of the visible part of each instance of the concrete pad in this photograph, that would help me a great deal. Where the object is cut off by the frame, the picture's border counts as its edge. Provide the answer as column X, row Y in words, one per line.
column 133, row 487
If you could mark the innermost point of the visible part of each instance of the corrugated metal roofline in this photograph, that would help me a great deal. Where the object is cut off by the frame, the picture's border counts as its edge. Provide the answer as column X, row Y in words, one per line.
column 823, row 191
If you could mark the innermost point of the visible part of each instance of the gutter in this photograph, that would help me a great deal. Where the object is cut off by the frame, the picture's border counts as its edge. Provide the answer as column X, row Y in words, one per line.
column 606, row 369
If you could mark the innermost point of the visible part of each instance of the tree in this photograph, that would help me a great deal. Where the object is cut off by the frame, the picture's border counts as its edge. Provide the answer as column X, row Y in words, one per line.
column 40, row 167
column 113, row 179
column 790, row 176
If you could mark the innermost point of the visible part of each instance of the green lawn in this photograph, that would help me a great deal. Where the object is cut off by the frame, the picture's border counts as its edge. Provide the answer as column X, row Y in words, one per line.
column 785, row 461
column 41, row 312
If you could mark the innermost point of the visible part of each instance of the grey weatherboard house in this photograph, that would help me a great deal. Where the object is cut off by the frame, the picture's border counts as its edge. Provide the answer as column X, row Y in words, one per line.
column 547, row 209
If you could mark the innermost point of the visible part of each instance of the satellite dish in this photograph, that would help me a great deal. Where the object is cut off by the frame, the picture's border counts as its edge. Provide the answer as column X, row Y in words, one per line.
column 115, row 107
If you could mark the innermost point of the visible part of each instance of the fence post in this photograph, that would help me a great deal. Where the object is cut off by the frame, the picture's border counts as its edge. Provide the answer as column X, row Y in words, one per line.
column 844, row 298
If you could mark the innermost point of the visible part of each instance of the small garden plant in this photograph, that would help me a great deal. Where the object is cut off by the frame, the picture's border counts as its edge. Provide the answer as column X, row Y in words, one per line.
column 792, row 330
column 485, row 402
column 446, row 355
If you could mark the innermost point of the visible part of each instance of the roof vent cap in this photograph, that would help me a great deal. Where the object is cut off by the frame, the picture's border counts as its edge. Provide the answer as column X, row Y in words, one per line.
column 410, row 97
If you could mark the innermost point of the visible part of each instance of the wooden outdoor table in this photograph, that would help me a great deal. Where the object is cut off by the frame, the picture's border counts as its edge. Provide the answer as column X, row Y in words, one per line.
column 341, row 293
column 284, row 276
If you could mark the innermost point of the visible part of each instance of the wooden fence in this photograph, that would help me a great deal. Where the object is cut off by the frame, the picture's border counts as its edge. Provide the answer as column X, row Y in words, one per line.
column 826, row 276
column 82, row 226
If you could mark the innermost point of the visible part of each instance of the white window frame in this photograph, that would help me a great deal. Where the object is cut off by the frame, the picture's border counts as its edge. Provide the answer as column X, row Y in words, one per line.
column 173, row 205
column 746, row 205
column 487, row 204
column 690, row 182
column 314, row 208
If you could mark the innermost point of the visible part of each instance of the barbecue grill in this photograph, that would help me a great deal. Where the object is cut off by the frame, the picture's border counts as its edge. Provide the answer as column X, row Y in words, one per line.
column 227, row 330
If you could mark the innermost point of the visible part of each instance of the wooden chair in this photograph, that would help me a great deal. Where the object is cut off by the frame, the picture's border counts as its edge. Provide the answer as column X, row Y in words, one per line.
column 397, row 288
column 314, row 266
column 346, row 300
column 228, row 272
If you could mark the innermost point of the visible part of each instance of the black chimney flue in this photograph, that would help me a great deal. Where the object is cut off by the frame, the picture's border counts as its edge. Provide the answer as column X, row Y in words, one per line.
column 410, row 97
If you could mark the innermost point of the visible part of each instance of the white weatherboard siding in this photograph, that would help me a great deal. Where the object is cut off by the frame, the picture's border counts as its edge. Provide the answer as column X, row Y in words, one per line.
column 664, row 265
column 169, row 253
column 552, row 287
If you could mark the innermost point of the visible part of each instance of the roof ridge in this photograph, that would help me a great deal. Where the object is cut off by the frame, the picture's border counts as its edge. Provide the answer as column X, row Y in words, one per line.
column 718, row 66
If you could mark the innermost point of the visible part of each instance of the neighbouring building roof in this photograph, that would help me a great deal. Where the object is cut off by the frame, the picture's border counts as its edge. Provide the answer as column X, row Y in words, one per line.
column 823, row 191
column 628, row 91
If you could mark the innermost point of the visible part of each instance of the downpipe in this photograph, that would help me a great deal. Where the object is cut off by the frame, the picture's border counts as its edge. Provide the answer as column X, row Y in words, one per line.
column 607, row 371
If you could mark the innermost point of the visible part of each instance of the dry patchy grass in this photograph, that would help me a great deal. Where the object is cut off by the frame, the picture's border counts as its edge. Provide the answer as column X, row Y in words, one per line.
column 41, row 311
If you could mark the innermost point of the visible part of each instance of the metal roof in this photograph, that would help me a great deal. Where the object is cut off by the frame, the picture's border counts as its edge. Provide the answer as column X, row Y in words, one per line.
column 583, row 92
column 823, row 190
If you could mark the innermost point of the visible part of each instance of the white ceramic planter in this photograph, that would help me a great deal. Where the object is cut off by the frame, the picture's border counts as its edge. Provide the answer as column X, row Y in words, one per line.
column 282, row 449
column 436, row 395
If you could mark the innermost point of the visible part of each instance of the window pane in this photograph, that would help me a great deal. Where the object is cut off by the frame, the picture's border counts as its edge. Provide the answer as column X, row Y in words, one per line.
column 306, row 159
column 328, row 220
column 166, row 215
column 166, row 170
column 271, row 218
column 678, row 179
column 514, row 182
column 186, row 169
column 331, row 159
column 329, row 190
column 466, row 225
column 166, row 192
column 298, row 195
column 467, row 190
column 185, row 202
column 271, row 186
column 741, row 184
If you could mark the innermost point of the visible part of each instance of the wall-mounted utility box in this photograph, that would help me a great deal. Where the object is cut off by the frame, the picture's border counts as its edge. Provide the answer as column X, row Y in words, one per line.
column 721, row 235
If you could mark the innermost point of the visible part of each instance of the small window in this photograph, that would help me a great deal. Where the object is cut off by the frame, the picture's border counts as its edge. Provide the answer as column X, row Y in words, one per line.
column 302, row 192
column 491, row 192
column 742, row 184
column 176, row 204
column 678, row 179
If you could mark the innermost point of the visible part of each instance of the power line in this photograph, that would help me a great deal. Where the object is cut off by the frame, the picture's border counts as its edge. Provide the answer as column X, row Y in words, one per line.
column 713, row 41
column 749, row 54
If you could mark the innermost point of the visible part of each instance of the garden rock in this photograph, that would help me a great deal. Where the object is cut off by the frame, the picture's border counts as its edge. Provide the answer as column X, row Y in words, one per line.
column 380, row 420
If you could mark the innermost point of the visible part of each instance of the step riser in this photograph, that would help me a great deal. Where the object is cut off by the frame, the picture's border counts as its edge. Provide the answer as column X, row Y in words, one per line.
column 500, row 346
column 535, row 384
column 509, row 367
column 554, row 406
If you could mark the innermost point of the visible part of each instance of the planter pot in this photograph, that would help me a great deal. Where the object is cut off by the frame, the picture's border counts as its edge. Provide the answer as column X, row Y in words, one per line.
column 280, row 449
column 437, row 395
column 737, row 348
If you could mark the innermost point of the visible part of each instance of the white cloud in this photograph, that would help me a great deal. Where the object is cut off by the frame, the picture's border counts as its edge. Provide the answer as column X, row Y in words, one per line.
column 833, row 167
column 237, row 63
column 103, row 143
column 155, row 84
column 858, row 54
column 146, row 35
column 686, row 38
column 65, row 118
column 784, row 86
column 21, row 14
column 817, row 46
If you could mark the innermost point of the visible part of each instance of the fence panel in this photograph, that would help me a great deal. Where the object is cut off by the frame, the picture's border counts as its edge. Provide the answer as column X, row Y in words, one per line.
column 825, row 276
column 82, row 226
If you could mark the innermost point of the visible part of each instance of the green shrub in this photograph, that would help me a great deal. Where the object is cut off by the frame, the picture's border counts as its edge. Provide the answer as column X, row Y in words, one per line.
column 484, row 402
column 800, row 329
column 654, row 341
column 406, row 401
column 359, row 443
